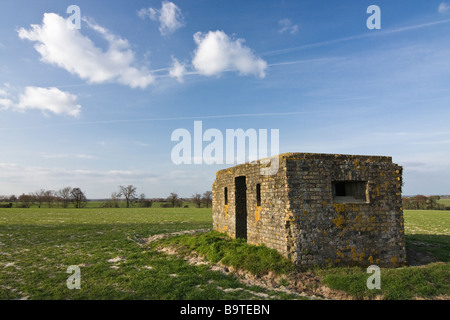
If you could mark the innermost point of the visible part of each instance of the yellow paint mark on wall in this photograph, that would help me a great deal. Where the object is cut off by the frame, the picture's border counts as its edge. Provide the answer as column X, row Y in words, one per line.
column 225, row 210
column 304, row 212
column 257, row 214
column 394, row 260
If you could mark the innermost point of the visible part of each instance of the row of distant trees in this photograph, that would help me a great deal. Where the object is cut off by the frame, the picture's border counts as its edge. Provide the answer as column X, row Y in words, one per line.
column 75, row 197
column 131, row 198
column 421, row 202
column 63, row 197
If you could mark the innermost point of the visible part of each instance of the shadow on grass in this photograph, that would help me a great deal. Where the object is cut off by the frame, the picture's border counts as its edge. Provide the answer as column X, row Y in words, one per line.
column 422, row 249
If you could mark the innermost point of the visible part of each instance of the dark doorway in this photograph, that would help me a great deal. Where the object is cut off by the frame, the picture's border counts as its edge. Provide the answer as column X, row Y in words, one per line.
column 241, row 207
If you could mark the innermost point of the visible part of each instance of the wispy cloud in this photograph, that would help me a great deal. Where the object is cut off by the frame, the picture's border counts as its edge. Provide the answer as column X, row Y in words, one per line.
column 68, row 156
column 141, row 144
column 178, row 70
column 287, row 26
column 443, row 7
column 169, row 16
column 200, row 117
column 383, row 32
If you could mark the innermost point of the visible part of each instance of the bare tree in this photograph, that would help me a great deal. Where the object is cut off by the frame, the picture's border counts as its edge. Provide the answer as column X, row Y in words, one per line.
column 174, row 199
column 129, row 193
column 115, row 198
column 49, row 197
column 64, row 195
column 197, row 199
column 207, row 198
column 78, row 198
column 39, row 197
column 26, row 200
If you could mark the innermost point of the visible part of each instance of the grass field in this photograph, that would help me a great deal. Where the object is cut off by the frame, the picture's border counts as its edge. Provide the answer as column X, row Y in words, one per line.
column 445, row 202
column 37, row 246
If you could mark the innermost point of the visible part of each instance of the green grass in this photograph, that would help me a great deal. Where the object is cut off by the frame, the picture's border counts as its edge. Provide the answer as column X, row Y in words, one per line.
column 429, row 231
column 215, row 247
column 445, row 202
column 37, row 246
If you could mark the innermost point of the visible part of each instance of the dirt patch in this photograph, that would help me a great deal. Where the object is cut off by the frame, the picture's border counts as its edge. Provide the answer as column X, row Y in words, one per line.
column 117, row 259
column 168, row 235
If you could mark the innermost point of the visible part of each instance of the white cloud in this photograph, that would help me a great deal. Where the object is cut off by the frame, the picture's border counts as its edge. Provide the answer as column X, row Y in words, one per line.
column 48, row 100
column 287, row 26
column 5, row 102
column 443, row 7
column 178, row 70
column 44, row 99
column 169, row 16
column 76, row 53
column 216, row 52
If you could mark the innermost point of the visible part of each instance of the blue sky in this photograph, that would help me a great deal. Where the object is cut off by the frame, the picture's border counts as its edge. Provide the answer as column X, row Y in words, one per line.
column 95, row 107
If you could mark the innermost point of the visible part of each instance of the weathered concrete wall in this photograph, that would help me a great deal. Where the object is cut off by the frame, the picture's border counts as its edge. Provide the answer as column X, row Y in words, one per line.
column 304, row 219
column 265, row 223
column 360, row 232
